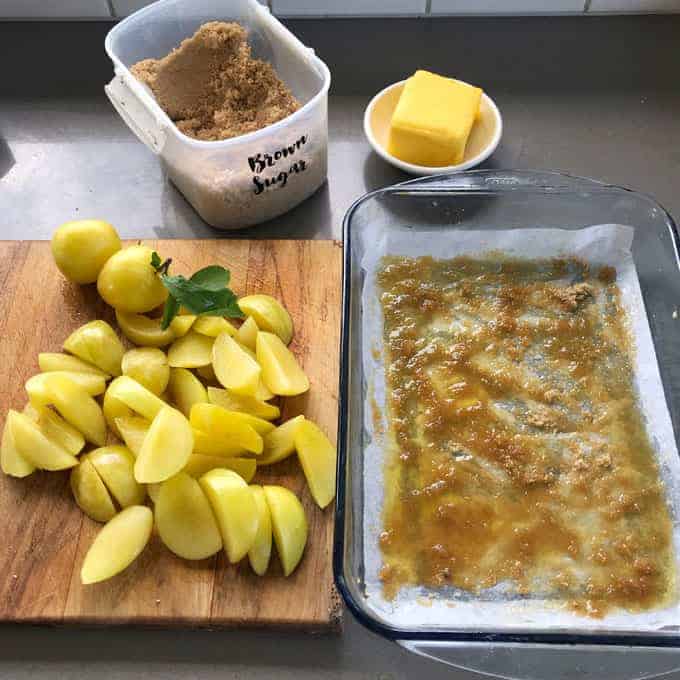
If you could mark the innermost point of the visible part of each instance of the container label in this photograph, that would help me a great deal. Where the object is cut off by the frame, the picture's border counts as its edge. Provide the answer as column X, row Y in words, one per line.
column 261, row 162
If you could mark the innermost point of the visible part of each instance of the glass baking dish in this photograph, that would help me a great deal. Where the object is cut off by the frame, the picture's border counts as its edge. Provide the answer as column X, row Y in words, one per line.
column 487, row 200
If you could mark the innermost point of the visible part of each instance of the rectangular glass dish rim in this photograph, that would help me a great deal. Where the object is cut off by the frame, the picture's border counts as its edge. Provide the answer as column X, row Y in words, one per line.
column 466, row 184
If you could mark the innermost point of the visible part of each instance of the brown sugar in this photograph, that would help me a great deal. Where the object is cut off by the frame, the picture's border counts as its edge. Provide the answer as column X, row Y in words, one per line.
column 541, row 417
column 549, row 487
column 213, row 89
column 570, row 297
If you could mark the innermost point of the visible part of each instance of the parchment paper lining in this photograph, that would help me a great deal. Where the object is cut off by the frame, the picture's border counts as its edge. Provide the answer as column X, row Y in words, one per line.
column 606, row 244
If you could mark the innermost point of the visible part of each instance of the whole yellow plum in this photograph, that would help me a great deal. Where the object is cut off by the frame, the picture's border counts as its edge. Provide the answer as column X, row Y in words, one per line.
column 129, row 283
column 82, row 248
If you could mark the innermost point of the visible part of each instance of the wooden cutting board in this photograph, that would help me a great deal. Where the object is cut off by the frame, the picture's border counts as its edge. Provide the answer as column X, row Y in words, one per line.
column 45, row 535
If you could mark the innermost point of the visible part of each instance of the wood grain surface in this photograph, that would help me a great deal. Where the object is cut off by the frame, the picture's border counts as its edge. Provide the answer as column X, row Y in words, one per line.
column 44, row 533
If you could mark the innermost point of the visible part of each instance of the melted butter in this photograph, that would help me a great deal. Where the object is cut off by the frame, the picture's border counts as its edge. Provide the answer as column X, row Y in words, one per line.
column 518, row 453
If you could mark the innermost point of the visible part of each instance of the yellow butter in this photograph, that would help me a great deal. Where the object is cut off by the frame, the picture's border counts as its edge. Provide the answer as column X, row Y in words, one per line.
column 432, row 121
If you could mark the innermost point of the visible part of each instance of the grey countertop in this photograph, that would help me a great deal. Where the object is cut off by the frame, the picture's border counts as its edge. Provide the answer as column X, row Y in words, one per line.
column 586, row 95
column 591, row 96
column 70, row 157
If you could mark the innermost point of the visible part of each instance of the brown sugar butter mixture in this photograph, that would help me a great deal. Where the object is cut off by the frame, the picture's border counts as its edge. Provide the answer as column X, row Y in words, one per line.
column 517, row 454
column 213, row 89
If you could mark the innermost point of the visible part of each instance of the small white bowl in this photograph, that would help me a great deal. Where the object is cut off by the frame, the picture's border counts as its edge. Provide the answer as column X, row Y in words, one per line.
column 484, row 136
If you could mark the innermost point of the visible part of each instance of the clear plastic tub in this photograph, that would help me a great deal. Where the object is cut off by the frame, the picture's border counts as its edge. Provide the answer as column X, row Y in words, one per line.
column 249, row 179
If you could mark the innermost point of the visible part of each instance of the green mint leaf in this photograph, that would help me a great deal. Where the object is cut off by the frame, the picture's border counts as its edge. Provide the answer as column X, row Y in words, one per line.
column 212, row 278
column 201, row 300
column 186, row 292
column 169, row 311
column 158, row 265
column 226, row 304
column 205, row 292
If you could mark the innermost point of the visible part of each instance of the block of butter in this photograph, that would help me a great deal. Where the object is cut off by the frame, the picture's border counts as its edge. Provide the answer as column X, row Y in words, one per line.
column 432, row 121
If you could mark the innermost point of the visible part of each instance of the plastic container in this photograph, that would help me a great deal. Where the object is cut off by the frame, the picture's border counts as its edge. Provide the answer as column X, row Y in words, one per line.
column 503, row 200
column 249, row 179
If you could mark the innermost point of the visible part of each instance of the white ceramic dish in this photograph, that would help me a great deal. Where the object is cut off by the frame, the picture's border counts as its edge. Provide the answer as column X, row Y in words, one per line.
column 484, row 137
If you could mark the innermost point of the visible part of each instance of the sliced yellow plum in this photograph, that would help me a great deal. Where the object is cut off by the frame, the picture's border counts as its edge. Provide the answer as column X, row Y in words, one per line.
column 234, row 367
column 143, row 330
column 269, row 314
column 77, row 407
column 166, row 448
column 54, row 427
column 90, row 492
column 223, row 446
column 289, row 525
column 186, row 390
column 260, row 425
column 242, row 403
column 198, row 464
column 181, row 324
column 227, row 426
column 214, row 418
column 129, row 283
column 207, row 374
column 153, row 490
column 11, row 461
column 132, row 430
column 82, row 247
column 247, row 350
column 119, row 542
column 115, row 465
column 114, row 409
column 280, row 443
column 148, row 366
column 36, row 448
column 234, row 506
column 136, row 397
column 185, row 520
column 261, row 550
column 213, row 326
column 56, row 361
column 318, row 459
column 247, row 333
column 281, row 372
column 191, row 351
column 263, row 393
column 37, row 391
column 97, row 343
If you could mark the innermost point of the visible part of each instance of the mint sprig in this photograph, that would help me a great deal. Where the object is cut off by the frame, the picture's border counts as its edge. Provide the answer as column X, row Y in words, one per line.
column 205, row 292
column 169, row 311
